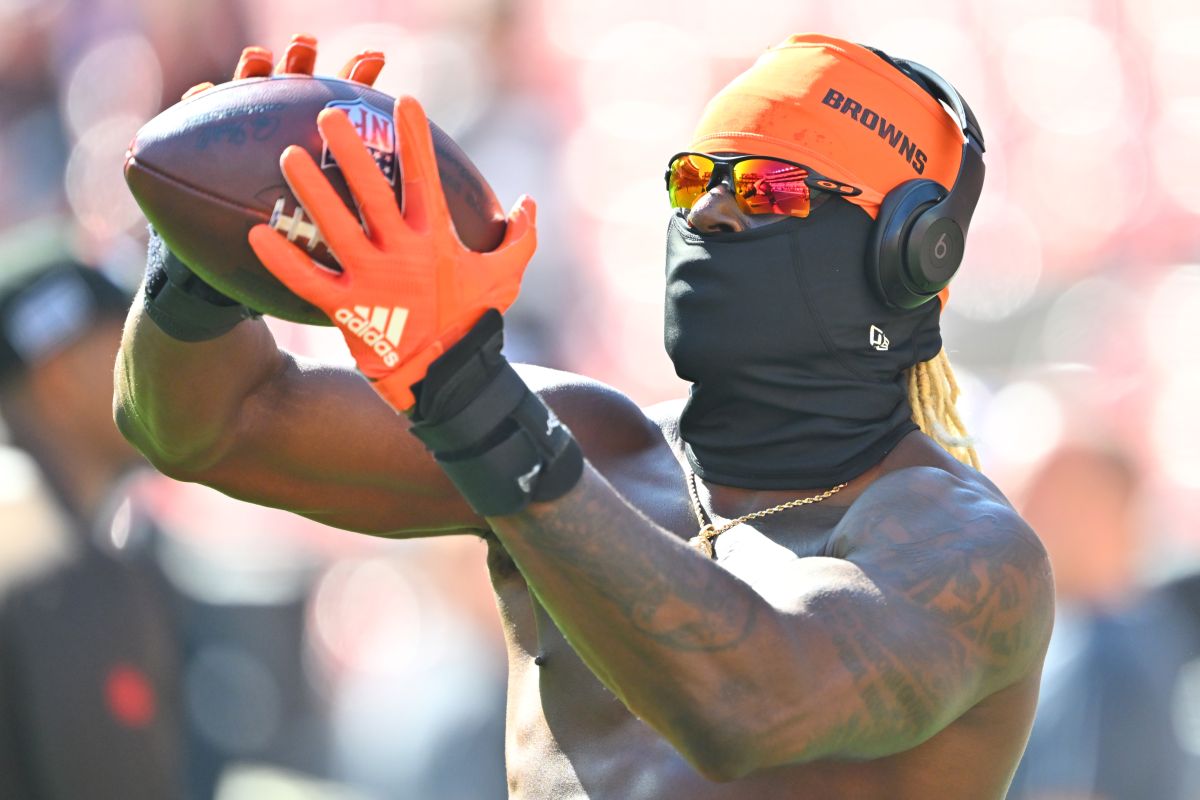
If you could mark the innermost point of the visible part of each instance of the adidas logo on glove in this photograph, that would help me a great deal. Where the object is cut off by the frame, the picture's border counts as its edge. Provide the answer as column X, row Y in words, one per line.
column 380, row 328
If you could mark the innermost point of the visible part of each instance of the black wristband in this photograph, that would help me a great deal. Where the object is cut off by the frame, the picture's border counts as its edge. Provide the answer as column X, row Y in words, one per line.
column 495, row 439
column 180, row 303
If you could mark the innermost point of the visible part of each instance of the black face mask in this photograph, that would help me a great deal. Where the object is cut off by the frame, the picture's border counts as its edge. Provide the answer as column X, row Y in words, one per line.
column 796, row 365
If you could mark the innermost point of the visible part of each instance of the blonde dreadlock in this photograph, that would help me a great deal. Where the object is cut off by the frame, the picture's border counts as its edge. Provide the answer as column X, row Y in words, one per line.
column 932, row 393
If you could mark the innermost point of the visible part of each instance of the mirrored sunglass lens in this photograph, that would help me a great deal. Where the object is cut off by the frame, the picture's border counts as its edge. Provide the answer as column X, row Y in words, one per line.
column 689, row 179
column 766, row 186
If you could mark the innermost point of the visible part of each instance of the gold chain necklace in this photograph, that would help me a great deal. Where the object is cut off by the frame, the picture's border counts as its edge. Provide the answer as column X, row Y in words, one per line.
column 703, row 541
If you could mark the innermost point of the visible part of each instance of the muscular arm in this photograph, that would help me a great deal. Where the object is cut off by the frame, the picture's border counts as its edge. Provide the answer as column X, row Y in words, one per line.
column 241, row 416
column 941, row 598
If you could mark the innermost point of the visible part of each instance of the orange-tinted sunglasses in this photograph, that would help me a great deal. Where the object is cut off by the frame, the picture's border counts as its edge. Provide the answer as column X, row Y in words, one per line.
column 760, row 185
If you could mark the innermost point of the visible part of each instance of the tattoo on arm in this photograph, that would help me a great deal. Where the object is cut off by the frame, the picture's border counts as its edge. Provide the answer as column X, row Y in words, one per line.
column 951, row 615
column 677, row 601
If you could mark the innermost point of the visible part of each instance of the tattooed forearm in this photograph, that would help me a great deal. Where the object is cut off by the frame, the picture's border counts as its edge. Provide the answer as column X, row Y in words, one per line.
column 600, row 545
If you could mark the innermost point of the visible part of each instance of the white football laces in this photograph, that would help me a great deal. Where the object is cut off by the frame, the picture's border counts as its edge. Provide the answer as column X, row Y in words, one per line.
column 295, row 226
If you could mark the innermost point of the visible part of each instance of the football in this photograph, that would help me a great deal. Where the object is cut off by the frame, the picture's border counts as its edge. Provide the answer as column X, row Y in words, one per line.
column 206, row 171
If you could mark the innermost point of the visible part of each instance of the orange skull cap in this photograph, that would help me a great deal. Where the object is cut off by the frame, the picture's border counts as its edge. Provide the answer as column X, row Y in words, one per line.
column 839, row 108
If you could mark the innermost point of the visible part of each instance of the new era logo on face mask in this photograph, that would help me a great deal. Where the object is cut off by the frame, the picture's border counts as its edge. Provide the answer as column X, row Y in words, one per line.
column 878, row 340
column 380, row 328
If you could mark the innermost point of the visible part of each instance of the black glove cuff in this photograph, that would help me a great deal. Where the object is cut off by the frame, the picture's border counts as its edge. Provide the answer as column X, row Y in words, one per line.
column 183, row 305
column 495, row 439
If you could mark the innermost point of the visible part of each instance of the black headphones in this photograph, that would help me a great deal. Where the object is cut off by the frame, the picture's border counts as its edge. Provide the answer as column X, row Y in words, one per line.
column 918, row 239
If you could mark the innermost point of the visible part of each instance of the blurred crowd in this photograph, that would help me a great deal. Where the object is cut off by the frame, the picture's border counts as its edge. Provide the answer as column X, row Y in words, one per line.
column 241, row 652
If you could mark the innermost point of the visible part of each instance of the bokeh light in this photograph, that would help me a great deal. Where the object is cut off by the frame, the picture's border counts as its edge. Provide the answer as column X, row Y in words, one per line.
column 1081, row 188
column 1023, row 424
column 708, row 21
column 1173, row 310
column 630, row 258
column 643, row 97
column 94, row 188
column 233, row 699
column 597, row 167
column 1078, row 325
column 1176, row 156
column 1175, row 430
column 872, row 13
column 999, row 20
column 116, row 77
column 574, row 25
column 367, row 615
column 18, row 476
column 1171, row 29
column 1158, row 20
column 1065, row 74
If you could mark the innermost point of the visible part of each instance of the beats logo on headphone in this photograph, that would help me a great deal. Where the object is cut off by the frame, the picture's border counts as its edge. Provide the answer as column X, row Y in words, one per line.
column 920, row 233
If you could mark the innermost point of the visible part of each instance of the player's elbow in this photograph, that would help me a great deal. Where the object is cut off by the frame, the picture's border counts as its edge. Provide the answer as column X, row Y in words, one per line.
column 714, row 755
column 725, row 756
column 718, row 751
column 727, row 741
column 133, row 428
column 719, row 773
column 178, row 459
column 772, row 729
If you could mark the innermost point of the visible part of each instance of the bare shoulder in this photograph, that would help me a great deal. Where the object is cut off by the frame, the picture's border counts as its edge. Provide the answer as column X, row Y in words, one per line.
column 925, row 503
column 604, row 420
column 948, row 541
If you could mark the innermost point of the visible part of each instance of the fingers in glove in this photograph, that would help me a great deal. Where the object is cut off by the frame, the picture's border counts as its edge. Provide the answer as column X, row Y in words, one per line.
column 424, row 202
column 293, row 267
column 373, row 194
column 337, row 225
column 197, row 89
column 300, row 56
column 254, row 63
column 505, row 265
column 520, row 238
column 521, row 224
column 363, row 68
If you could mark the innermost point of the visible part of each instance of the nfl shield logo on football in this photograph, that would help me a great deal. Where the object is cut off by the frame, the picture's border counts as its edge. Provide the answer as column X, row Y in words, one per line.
column 377, row 130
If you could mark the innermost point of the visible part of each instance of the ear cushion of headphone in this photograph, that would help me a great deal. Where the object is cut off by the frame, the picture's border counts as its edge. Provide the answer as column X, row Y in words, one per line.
column 889, row 246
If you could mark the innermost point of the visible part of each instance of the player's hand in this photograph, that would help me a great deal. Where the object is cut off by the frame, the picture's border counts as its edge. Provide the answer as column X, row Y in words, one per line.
column 408, row 289
column 299, row 59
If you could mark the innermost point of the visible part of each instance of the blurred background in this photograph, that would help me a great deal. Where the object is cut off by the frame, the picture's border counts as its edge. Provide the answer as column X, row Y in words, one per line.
column 316, row 663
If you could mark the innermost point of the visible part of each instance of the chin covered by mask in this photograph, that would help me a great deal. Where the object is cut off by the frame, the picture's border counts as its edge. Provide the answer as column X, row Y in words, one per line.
column 796, row 365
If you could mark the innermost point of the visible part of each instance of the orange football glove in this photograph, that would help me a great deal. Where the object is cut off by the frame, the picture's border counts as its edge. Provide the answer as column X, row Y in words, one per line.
column 299, row 59
column 408, row 288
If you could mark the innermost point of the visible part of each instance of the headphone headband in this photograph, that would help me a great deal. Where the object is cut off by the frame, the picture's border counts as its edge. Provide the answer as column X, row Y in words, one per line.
column 921, row 229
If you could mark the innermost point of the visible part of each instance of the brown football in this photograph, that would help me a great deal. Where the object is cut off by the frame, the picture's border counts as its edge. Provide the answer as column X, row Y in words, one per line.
column 206, row 171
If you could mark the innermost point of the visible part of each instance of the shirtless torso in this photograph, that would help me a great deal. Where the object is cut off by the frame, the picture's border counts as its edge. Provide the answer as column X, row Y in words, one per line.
column 883, row 644
column 568, row 736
